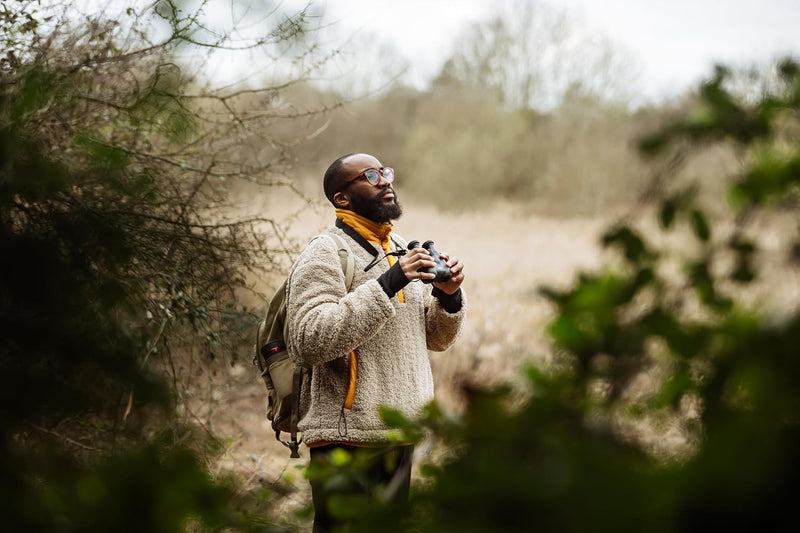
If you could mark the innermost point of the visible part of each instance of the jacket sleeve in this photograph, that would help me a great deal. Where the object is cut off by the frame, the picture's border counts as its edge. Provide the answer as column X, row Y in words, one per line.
column 442, row 328
column 326, row 322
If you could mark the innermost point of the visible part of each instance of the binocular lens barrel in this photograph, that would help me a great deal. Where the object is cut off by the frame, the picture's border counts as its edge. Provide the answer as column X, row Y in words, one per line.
column 441, row 270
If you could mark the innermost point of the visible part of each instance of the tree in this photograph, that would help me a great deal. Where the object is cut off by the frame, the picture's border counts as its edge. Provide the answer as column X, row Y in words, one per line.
column 119, row 243
column 530, row 55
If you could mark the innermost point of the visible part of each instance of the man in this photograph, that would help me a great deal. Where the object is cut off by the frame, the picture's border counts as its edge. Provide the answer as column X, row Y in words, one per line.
column 367, row 346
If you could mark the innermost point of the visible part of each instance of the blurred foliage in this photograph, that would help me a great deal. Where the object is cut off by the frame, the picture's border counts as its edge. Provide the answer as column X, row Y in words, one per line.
column 124, row 255
column 120, row 244
column 533, row 55
column 528, row 109
column 584, row 448
column 460, row 149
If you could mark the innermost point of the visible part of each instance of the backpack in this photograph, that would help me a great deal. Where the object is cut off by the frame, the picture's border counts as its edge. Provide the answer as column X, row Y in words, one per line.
column 282, row 377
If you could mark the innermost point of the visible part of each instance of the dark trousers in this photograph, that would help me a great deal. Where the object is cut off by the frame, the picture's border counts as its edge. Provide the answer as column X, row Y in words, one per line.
column 384, row 471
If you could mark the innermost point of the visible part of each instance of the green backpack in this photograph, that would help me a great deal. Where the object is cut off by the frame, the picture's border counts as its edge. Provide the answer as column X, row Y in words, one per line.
column 284, row 378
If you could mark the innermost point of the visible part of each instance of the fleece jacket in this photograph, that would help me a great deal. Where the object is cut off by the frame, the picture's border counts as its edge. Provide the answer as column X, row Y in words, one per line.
column 326, row 322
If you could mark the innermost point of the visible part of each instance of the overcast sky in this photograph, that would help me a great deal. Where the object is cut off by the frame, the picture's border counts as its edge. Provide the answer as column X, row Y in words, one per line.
column 676, row 42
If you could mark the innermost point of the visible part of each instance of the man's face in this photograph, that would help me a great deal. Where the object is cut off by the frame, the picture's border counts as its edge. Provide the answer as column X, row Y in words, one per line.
column 378, row 205
column 375, row 202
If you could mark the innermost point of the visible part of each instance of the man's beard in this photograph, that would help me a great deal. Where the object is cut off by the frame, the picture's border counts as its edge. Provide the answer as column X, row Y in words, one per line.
column 374, row 208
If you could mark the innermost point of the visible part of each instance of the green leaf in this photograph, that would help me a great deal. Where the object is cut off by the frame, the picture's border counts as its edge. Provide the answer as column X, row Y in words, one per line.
column 631, row 243
column 393, row 417
column 340, row 457
column 674, row 389
column 666, row 215
column 699, row 224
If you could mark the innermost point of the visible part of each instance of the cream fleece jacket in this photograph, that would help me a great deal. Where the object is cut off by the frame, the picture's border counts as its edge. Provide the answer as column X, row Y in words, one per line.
column 325, row 323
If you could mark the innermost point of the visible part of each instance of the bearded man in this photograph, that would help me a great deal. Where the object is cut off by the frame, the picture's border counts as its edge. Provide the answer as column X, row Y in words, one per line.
column 367, row 344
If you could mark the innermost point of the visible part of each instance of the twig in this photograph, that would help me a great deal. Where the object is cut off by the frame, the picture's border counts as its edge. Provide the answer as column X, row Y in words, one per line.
column 65, row 438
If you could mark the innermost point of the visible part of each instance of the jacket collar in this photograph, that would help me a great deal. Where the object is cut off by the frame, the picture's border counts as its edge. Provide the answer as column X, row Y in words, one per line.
column 372, row 231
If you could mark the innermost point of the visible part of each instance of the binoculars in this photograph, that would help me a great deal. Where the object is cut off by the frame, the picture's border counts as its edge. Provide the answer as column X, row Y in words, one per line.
column 441, row 269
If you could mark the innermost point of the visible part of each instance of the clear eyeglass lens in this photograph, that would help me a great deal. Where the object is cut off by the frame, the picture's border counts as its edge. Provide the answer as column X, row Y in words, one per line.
column 374, row 176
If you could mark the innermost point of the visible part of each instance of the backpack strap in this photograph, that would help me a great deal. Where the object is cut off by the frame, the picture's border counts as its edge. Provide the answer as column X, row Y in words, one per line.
column 346, row 257
column 356, row 236
column 398, row 241
column 294, row 443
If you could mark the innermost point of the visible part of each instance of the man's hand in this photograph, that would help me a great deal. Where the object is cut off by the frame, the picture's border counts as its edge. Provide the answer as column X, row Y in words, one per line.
column 415, row 259
column 418, row 258
column 457, row 269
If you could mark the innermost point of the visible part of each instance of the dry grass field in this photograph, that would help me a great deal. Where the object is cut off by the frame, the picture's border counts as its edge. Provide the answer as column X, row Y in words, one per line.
column 507, row 255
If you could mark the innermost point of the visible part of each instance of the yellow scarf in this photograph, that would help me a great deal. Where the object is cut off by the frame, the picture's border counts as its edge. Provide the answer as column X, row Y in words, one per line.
column 379, row 234
column 372, row 231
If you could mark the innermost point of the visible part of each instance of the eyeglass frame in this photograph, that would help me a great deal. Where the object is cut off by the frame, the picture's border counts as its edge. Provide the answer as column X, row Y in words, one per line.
column 381, row 173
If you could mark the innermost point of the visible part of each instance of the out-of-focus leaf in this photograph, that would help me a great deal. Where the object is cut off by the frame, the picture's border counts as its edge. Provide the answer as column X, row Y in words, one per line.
column 666, row 215
column 631, row 243
column 768, row 178
column 700, row 225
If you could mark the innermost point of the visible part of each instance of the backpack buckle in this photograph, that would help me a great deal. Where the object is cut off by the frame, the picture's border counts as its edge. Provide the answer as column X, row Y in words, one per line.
column 294, row 450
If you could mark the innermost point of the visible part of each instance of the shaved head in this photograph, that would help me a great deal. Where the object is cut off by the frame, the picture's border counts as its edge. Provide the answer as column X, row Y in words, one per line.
column 335, row 177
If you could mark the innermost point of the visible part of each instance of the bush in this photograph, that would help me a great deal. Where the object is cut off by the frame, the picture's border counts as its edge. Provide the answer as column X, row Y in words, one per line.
column 117, row 241
column 583, row 449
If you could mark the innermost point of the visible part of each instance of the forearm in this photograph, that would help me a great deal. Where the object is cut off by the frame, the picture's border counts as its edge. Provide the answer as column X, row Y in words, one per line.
column 449, row 302
column 443, row 327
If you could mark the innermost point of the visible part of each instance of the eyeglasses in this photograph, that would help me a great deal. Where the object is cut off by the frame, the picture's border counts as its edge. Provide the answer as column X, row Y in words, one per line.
column 373, row 175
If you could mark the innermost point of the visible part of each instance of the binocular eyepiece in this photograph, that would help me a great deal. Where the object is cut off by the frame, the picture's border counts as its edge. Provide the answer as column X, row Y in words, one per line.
column 441, row 269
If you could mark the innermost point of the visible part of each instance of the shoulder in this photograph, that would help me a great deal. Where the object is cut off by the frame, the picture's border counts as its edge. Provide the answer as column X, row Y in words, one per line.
column 320, row 245
column 318, row 262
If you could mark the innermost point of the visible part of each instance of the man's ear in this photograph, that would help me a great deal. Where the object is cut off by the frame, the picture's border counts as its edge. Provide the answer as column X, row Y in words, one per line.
column 341, row 200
